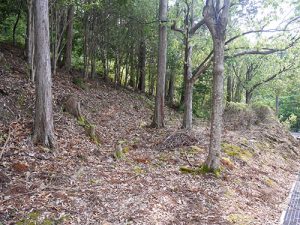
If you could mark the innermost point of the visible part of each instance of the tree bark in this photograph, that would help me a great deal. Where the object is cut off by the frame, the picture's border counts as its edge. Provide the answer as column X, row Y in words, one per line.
column 69, row 42
column 158, row 118
column 43, row 120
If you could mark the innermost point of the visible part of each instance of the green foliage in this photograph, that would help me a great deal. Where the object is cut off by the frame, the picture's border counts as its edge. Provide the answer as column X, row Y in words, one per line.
column 290, row 122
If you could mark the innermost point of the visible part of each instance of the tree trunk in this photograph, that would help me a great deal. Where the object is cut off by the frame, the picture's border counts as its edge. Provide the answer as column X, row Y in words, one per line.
column 188, row 105
column 248, row 96
column 43, row 121
column 229, row 89
column 188, row 90
column 238, row 92
column 69, row 42
column 30, row 39
column 216, row 18
column 213, row 160
column 86, row 47
column 132, row 69
column 16, row 24
column 142, row 65
column 158, row 118
column 171, row 89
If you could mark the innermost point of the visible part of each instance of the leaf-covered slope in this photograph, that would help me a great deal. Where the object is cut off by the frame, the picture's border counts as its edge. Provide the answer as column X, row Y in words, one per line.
column 83, row 182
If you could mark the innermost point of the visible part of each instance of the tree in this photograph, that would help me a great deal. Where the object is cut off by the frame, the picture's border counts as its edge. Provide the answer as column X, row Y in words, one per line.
column 43, row 120
column 158, row 119
column 190, row 28
column 216, row 18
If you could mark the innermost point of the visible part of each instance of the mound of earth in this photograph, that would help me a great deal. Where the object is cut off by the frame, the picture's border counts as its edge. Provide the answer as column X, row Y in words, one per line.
column 82, row 182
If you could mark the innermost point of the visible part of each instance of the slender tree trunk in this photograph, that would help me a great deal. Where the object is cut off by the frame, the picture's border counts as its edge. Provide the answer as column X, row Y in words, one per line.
column 30, row 39
column 188, row 91
column 142, row 65
column 238, row 92
column 132, row 69
column 69, row 43
column 171, row 89
column 248, row 96
column 86, row 46
column 117, row 69
column 43, row 121
column 229, row 89
column 158, row 118
column 15, row 27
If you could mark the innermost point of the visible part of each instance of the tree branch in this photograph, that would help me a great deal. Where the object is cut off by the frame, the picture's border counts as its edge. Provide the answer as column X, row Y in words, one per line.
column 196, row 27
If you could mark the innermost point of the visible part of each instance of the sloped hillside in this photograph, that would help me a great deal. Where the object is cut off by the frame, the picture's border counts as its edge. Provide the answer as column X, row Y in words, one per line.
column 131, row 175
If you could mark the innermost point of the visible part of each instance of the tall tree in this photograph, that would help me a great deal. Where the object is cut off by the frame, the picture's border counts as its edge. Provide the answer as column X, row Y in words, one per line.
column 43, row 121
column 158, row 119
column 216, row 15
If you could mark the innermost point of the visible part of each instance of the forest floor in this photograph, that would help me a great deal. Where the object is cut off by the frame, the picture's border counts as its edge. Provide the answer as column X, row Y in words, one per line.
column 81, row 182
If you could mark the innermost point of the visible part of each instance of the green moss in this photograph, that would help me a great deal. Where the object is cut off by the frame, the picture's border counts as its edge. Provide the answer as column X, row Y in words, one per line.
column 34, row 218
column 204, row 169
column 90, row 129
column 236, row 151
